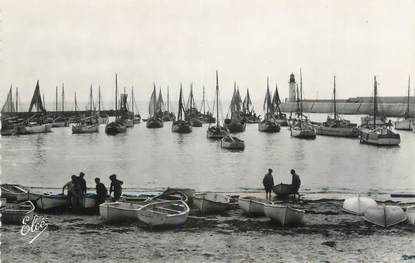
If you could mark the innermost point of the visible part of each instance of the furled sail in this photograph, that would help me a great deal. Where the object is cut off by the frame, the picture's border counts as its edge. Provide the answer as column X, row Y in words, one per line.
column 191, row 100
column 268, row 101
column 181, row 113
column 247, row 103
column 8, row 105
column 37, row 100
column 160, row 107
column 152, row 104
column 276, row 101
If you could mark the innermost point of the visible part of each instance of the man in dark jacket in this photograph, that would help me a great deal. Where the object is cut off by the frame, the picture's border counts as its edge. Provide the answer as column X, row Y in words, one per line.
column 101, row 191
column 296, row 182
column 268, row 183
column 82, row 182
column 115, row 187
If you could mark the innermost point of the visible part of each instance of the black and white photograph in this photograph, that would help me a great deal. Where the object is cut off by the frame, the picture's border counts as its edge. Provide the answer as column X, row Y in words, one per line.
column 207, row 131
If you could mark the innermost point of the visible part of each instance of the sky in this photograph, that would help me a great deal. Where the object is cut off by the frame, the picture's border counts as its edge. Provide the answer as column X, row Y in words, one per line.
column 82, row 43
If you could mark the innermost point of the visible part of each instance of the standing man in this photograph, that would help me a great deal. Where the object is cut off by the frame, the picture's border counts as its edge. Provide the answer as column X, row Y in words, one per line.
column 296, row 182
column 82, row 182
column 115, row 187
column 101, row 192
column 268, row 183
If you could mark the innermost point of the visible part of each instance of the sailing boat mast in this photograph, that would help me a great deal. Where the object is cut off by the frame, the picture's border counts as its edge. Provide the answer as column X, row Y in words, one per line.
column 217, row 100
column 63, row 97
column 409, row 93
column 334, row 99
column 11, row 98
column 76, row 104
column 204, row 107
column 17, row 99
column 375, row 101
column 301, row 93
column 132, row 100
column 90, row 98
column 99, row 98
column 179, row 114
column 267, row 94
column 168, row 100
column 116, row 93
column 56, row 99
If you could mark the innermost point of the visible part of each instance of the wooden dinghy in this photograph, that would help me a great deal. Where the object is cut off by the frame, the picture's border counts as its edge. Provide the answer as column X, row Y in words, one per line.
column 119, row 211
column 252, row 205
column 211, row 203
column 13, row 192
column 385, row 215
column 284, row 214
column 358, row 205
column 282, row 190
column 410, row 213
column 164, row 213
column 15, row 213
column 49, row 201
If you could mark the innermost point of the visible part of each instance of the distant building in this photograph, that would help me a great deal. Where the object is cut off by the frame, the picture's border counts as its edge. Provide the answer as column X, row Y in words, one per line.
column 292, row 89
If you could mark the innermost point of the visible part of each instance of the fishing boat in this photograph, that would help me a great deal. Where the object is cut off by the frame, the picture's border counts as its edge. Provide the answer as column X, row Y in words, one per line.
column 211, row 203
column 252, row 205
column 385, row 215
column 126, row 118
column 192, row 114
column 119, row 211
column 34, row 127
column 358, row 205
column 86, row 125
column 163, row 109
column 337, row 126
column 236, row 122
column 181, row 125
column 410, row 213
column 49, row 201
column 164, row 213
column 379, row 136
column 232, row 143
column 279, row 117
column 118, row 125
column 268, row 124
column 153, row 120
column 284, row 214
column 407, row 121
column 15, row 213
column 301, row 127
column 89, row 201
column 206, row 116
column 217, row 131
column 283, row 190
column 13, row 192
column 248, row 113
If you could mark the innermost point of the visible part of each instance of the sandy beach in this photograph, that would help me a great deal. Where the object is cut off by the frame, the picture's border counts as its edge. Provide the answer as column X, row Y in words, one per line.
column 327, row 235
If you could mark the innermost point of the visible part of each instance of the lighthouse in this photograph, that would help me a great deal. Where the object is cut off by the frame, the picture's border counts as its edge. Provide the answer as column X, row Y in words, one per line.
column 292, row 89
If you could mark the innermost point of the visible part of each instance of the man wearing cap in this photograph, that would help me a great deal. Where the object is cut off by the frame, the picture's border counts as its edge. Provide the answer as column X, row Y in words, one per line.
column 296, row 182
column 268, row 183
column 115, row 187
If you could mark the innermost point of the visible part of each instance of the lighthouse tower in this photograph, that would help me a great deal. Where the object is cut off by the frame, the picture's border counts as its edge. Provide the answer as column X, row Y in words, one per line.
column 292, row 89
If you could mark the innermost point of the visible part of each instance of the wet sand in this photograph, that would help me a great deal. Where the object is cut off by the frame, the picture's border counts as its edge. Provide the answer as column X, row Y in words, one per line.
column 327, row 235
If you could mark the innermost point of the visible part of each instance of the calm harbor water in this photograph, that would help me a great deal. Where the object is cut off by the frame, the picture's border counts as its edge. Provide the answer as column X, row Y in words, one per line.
column 146, row 158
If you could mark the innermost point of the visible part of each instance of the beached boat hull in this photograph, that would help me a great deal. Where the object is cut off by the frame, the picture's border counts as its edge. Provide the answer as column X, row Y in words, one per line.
column 268, row 126
column 283, row 214
column 78, row 129
column 48, row 202
column 13, row 192
column 181, row 127
column 282, row 190
column 352, row 132
column 164, row 213
column 41, row 128
column 410, row 213
column 358, row 205
column 15, row 213
column 374, row 138
column 211, row 203
column 119, row 211
column 385, row 216
column 252, row 205
column 234, row 144
column 405, row 124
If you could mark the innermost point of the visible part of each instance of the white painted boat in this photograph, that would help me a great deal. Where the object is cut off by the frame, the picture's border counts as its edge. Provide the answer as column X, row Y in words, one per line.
column 164, row 213
column 13, row 192
column 34, row 128
column 15, row 213
column 384, row 215
column 119, row 211
column 410, row 213
column 82, row 128
column 232, row 143
column 284, row 214
column 211, row 203
column 358, row 205
column 380, row 136
column 252, row 205
column 49, row 201
column 89, row 201
column 404, row 124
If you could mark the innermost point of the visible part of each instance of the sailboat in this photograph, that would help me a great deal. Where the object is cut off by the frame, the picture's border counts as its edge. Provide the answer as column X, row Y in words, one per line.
column 380, row 136
column 125, row 117
column 268, row 124
column 217, row 131
column 136, row 116
column 207, row 116
column 153, row 121
column 301, row 126
column 181, row 125
column 89, row 124
column 337, row 126
column 191, row 110
column 407, row 122
column 249, row 116
column 280, row 118
column 9, row 123
column 102, row 118
column 236, row 122
column 116, row 126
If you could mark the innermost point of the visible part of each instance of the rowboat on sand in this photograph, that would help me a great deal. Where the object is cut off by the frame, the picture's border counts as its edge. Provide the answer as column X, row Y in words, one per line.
column 283, row 190
column 164, row 213
column 385, row 215
column 119, row 211
column 410, row 213
column 284, row 214
column 49, row 201
column 15, row 213
column 252, row 205
column 13, row 192
column 211, row 203
column 358, row 205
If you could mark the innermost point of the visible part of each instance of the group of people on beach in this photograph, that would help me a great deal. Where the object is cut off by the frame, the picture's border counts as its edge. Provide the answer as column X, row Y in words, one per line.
column 77, row 189
column 268, row 183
